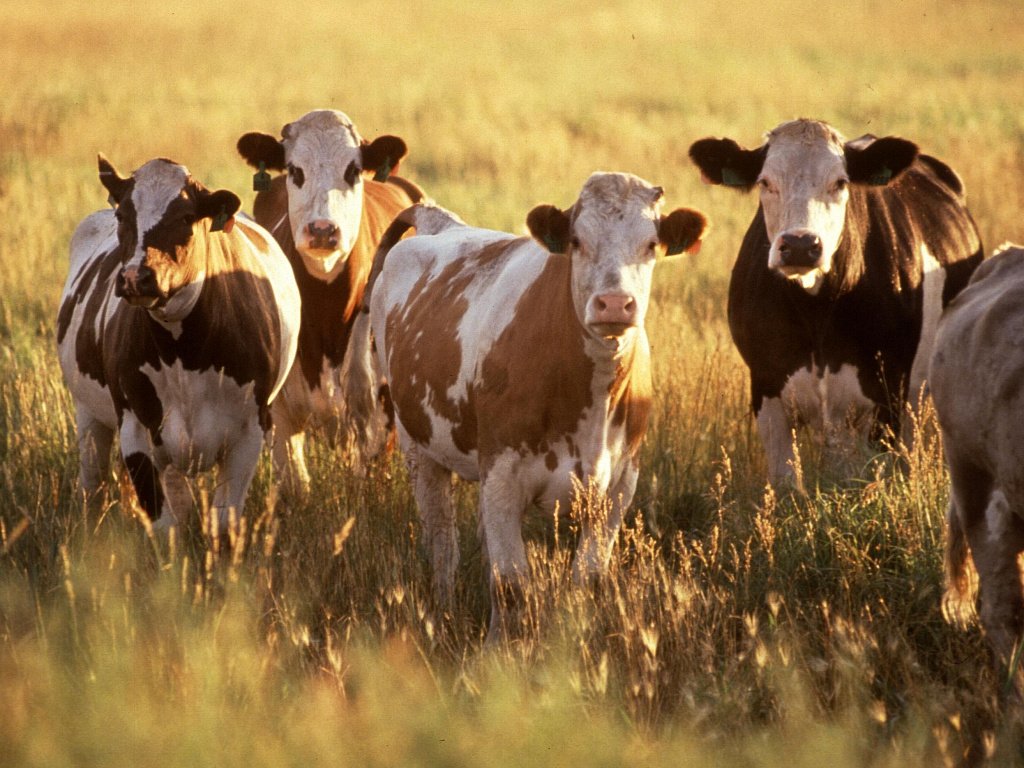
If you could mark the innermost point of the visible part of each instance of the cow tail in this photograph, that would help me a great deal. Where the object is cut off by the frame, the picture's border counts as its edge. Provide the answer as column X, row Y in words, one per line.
column 961, row 581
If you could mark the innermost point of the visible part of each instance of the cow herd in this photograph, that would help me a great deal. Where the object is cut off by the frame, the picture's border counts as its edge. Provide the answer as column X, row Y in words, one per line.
column 349, row 307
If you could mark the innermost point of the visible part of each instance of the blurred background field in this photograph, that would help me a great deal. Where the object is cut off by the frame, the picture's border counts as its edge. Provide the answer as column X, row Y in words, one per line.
column 737, row 628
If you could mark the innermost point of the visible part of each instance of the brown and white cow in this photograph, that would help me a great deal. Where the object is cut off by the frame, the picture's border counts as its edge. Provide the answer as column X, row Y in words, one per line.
column 177, row 326
column 328, row 215
column 854, row 250
column 523, row 367
column 977, row 382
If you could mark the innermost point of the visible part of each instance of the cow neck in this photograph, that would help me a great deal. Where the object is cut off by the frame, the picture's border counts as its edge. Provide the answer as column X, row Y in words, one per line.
column 329, row 305
column 619, row 363
column 206, row 254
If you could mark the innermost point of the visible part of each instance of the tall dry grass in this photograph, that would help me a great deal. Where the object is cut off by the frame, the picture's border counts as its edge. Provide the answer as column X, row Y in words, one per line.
column 736, row 627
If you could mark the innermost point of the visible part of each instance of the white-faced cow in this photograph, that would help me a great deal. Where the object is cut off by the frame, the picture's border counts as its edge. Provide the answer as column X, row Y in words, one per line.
column 854, row 250
column 524, row 367
column 177, row 327
column 328, row 217
column 977, row 382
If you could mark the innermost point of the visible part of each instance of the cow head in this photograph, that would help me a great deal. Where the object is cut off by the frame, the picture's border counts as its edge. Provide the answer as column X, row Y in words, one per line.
column 326, row 160
column 803, row 172
column 614, row 234
column 160, row 209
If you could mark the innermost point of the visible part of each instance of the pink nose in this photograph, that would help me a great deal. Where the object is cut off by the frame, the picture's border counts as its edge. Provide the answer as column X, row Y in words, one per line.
column 619, row 308
column 323, row 234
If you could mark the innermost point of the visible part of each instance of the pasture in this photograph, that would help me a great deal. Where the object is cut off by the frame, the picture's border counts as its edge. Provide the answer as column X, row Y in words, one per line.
column 737, row 628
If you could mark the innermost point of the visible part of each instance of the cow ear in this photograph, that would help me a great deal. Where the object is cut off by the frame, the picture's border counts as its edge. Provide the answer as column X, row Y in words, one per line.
column 223, row 202
column 723, row 161
column 681, row 231
column 382, row 156
column 550, row 226
column 880, row 161
column 259, row 148
column 112, row 180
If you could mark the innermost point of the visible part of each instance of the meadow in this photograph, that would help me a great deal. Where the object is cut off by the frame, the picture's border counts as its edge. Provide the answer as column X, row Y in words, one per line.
column 737, row 628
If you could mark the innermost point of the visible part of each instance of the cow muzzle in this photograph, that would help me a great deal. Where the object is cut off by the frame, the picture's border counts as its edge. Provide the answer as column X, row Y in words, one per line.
column 322, row 235
column 138, row 286
column 612, row 314
column 799, row 251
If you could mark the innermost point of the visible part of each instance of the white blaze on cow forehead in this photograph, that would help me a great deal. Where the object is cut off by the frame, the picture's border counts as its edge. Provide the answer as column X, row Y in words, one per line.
column 804, row 194
column 322, row 149
column 157, row 183
column 616, row 215
column 615, row 223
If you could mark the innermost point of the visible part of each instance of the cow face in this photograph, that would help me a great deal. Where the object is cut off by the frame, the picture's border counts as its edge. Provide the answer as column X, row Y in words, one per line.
column 159, row 209
column 326, row 160
column 803, row 174
column 613, row 235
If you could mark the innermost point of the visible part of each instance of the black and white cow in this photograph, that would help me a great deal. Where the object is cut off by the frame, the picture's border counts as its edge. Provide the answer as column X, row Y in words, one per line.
column 855, row 249
column 177, row 327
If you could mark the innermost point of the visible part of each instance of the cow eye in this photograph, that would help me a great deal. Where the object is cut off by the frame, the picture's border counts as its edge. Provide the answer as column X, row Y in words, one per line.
column 296, row 175
column 765, row 185
column 840, row 185
column 352, row 174
column 575, row 242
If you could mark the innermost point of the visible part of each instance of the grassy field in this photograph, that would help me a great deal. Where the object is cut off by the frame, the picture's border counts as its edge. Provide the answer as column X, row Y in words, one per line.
column 737, row 629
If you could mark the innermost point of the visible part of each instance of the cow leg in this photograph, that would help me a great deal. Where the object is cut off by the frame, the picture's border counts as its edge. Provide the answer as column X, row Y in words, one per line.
column 598, row 532
column 94, row 443
column 995, row 534
column 776, row 430
column 995, row 546
column 288, row 451
column 432, row 487
column 137, row 452
column 236, row 469
column 177, row 496
column 501, row 522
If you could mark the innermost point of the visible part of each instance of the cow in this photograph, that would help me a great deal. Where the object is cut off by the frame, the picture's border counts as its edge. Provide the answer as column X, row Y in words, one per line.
column 523, row 364
column 855, row 248
column 328, row 216
column 177, row 327
column 977, row 383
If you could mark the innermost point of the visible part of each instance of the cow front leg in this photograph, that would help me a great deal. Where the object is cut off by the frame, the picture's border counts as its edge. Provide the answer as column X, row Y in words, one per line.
column 776, row 431
column 140, row 462
column 432, row 488
column 288, row 450
column 501, row 523
column 94, row 443
column 600, row 527
column 236, row 469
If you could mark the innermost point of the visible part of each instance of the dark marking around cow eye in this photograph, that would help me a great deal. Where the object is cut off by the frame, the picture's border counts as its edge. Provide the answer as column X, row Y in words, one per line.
column 296, row 175
column 575, row 242
column 352, row 174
